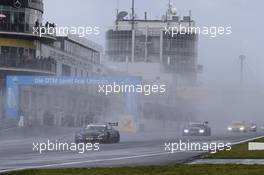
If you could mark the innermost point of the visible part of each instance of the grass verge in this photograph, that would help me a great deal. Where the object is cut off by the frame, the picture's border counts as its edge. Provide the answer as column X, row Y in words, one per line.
column 154, row 170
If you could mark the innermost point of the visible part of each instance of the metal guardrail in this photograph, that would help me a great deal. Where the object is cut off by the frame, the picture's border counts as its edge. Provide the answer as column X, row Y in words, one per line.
column 40, row 64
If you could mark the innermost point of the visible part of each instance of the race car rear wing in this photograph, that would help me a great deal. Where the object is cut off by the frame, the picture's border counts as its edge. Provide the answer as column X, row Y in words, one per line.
column 202, row 123
column 113, row 124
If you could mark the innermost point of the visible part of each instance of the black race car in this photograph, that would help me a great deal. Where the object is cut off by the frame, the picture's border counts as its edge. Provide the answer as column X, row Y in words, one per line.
column 197, row 129
column 99, row 132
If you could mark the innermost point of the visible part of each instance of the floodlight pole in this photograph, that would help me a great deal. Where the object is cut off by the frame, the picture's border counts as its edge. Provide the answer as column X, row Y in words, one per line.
column 242, row 59
column 133, row 32
column 133, row 14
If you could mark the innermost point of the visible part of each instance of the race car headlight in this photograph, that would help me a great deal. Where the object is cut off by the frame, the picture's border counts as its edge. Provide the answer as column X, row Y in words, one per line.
column 242, row 128
column 186, row 131
column 229, row 129
column 201, row 131
column 253, row 127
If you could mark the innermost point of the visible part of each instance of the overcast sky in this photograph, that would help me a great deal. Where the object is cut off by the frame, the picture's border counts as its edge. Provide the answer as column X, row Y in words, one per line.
column 218, row 55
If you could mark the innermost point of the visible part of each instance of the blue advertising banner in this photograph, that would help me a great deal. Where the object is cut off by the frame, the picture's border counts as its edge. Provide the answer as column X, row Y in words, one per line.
column 13, row 82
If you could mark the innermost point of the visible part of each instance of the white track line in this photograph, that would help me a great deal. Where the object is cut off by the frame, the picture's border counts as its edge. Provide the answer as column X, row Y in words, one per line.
column 87, row 161
column 98, row 160
column 247, row 140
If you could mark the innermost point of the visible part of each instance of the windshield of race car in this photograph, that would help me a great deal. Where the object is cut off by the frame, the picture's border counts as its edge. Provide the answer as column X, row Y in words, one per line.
column 96, row 127
column 237, row 124
column 196, row 125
